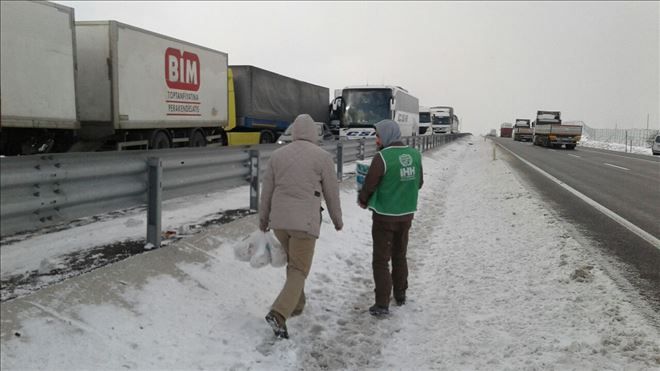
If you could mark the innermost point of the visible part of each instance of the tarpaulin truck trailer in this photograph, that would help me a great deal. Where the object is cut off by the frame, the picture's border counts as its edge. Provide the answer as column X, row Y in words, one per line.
column 267, row 103
column 37, row 76
column 549, row 131
column 137, row 88
column 522, row 130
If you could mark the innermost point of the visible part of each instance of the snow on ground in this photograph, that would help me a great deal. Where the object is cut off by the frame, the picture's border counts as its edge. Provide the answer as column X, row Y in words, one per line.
column 48, row 249
column 586, row 142
column 484, row 294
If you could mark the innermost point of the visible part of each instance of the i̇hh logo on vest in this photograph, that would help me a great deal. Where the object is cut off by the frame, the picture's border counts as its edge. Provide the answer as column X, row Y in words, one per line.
column 407, row 170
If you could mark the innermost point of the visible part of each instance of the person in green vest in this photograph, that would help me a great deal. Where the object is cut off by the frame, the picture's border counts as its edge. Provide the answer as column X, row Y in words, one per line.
column 390, row 191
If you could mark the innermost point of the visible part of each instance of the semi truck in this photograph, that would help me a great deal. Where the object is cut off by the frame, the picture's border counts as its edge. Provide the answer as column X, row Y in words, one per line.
column 267, row 103
column 443, row 120
column 37, row 76
column 424, row 121
column 105, row 85
column 506, row 130
column 550, row 132
column 522, row 130
column 360, row 107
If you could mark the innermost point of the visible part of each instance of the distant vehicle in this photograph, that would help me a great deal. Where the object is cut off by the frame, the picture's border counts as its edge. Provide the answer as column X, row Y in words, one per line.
column 443, row 120
column 324, row 134
column 424, row 121
column 492, row 133
column 549, row 131
column 360, row 107
column 656, row 145
column 506, row 129
column 522, row 130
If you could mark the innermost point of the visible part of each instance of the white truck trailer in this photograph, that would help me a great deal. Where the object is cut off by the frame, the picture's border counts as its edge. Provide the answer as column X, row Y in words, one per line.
column 37, row 76
column 137, row 88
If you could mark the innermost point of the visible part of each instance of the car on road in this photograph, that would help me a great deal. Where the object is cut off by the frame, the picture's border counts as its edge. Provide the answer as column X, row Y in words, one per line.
column 655, row 148
column 324, row 134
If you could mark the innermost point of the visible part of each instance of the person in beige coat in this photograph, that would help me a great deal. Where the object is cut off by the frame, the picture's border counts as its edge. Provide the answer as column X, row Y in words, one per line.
column 296, row 178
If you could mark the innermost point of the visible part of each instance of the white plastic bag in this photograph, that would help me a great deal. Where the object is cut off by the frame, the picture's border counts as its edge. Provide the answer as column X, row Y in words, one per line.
column 278, row 256
column 261, row 256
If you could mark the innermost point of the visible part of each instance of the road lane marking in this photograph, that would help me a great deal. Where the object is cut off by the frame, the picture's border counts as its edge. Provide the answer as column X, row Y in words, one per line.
column 609, row 213
column 618, row 167
column 606, row 152
column 574, row 155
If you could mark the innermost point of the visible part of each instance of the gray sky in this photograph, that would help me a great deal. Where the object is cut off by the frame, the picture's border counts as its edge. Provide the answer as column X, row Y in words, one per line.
column 493, row 61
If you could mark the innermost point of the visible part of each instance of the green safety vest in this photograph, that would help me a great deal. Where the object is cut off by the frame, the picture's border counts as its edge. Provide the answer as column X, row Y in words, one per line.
column 397, row 191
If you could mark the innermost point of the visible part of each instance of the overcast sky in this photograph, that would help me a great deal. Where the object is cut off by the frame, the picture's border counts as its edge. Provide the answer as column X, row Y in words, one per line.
column 493, row 61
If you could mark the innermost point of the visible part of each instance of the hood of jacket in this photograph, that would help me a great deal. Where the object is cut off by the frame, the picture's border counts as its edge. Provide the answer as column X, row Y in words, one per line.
column 388, row 131
column 304, row 128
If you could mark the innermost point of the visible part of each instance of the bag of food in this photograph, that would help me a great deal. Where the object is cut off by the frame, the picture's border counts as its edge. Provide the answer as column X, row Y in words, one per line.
column 278, row 257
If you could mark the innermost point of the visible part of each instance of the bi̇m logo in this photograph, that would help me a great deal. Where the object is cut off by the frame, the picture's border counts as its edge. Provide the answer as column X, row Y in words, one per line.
column 182, row 70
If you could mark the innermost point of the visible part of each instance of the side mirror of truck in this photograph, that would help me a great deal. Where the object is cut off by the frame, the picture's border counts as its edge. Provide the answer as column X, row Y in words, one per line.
column 337, row 103
column 392, row 104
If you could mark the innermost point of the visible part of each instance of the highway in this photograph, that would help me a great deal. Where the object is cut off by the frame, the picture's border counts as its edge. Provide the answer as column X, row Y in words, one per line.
column 626, row 184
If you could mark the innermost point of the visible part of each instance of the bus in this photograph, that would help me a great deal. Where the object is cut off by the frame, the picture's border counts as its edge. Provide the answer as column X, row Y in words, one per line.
column 443, row 120
column 360, row 107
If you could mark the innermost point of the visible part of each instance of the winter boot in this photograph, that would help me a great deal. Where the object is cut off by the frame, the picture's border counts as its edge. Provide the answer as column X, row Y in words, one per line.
column 278, row 324
column 400, row 300
column 379, row 310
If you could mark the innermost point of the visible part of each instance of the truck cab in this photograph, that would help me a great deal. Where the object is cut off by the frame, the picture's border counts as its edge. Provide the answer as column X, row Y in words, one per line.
column 522, row 130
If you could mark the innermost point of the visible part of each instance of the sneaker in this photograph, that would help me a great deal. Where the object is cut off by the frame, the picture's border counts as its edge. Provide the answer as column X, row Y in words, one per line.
column 378, row 310
column 400, row 300
column 278, row 324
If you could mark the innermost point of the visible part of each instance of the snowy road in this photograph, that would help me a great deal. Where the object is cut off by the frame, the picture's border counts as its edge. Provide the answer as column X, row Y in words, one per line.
column 485, row 293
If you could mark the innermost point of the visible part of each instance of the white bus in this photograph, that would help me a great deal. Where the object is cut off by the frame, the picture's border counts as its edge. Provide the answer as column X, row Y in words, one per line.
column 360, row 107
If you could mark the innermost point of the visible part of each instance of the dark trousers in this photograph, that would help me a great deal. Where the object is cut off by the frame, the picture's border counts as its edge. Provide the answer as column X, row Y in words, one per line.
column 390, row 242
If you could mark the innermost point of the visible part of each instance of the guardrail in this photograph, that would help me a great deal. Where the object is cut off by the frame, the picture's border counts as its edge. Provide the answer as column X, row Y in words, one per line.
column 44, row 190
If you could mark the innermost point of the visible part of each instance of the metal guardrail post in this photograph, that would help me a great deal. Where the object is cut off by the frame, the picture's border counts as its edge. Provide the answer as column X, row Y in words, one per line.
column 340, row 160
column 154, row 198
column 361, row 150
column 254, row 180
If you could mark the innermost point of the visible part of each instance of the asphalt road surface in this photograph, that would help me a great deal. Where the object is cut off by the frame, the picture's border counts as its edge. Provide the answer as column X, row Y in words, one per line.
column 627, row 184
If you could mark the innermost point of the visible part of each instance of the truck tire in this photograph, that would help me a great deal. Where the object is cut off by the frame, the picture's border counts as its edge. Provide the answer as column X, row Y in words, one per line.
column 570, row 146
column 197, row 139
column 267, row 136
column 159, row 140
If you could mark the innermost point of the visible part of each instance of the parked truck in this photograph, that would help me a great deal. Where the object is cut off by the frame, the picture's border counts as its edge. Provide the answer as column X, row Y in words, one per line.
column 522, row 130
column 550, row 132
column 506, row 129
column 267, row 103
column 37, row 76
column 443, row 120
column 424, row 121
column 124, row 87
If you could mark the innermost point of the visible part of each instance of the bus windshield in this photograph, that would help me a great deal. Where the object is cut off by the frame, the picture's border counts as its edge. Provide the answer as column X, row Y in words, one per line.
column 424, row 117
column 364, row 108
